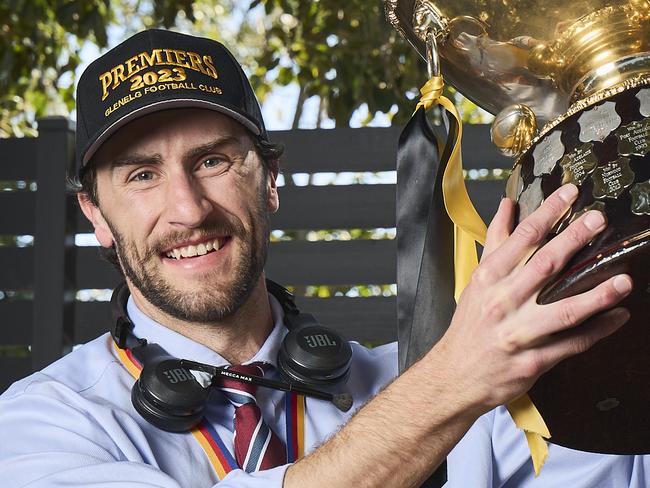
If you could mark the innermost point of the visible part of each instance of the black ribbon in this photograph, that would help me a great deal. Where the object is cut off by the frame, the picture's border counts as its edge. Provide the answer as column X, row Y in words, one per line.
column 425, row 246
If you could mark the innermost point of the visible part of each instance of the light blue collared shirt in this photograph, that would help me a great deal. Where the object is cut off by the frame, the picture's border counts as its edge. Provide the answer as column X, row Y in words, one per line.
column 73, row 425
column 494, row 454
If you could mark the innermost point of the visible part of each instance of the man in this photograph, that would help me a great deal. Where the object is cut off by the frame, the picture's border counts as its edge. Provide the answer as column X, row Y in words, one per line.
column 179, row 178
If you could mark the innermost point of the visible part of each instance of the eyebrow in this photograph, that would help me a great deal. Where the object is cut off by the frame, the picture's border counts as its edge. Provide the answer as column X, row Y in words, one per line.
column 135, row 160
column 141, row 159
column 219, row 143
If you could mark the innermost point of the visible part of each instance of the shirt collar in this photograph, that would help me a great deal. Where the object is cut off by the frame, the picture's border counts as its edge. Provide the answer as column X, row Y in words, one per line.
column 184, row 348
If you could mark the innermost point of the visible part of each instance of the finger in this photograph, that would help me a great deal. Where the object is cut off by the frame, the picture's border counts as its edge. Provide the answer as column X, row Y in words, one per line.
column 569, row 312
column 580, row 339
column 528, row 235
column 552, row 257
column 500, row 228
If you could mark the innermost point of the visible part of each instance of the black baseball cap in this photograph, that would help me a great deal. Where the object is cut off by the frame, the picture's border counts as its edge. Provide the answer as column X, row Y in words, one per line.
column 159, row 70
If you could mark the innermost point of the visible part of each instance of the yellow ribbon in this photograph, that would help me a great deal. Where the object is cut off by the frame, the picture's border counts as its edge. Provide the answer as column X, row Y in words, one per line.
column 469, row 229
column 526, row 417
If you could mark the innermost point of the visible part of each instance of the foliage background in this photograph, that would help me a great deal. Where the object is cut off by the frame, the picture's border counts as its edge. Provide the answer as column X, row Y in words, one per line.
column 343, row 52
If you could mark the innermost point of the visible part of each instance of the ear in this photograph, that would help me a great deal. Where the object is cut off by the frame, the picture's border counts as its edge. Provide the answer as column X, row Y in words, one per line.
column 272, row 198
column 92, row 213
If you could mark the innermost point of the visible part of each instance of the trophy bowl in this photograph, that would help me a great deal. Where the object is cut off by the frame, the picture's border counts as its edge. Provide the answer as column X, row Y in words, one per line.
column 581, row 71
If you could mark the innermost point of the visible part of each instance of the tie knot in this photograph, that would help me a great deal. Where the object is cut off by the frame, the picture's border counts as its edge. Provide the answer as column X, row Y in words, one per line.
column 241, row 392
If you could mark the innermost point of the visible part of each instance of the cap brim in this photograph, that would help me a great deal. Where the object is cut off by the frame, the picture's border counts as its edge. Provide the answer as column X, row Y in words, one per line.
column 165, row 105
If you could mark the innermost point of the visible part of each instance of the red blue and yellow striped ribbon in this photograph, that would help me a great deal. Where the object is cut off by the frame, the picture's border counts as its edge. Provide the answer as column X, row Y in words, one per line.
column 216, row 451
column 295, row 408
column 219, row 456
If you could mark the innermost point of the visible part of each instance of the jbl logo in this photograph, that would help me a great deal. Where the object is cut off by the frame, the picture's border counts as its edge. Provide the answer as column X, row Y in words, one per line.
column 319, row 340
column 178, row 375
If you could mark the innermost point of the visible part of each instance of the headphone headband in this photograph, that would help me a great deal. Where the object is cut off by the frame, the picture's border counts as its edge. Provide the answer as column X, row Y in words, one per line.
column 122, row 331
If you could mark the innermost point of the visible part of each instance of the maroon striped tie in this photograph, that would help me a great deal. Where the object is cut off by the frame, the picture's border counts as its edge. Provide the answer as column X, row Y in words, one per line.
column 257, row 447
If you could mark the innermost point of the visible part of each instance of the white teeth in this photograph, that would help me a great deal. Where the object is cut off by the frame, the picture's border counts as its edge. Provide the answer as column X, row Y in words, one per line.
column 198, row 250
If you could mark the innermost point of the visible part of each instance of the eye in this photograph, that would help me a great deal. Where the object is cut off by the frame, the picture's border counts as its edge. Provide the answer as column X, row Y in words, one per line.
column 142, row 176
column 214, row 165
column 212, row 162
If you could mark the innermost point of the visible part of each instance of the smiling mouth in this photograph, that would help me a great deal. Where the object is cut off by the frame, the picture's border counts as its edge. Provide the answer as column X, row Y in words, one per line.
column 194, row 250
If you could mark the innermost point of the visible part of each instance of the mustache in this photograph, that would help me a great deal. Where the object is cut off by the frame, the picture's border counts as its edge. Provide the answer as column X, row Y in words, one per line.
column 169, row 240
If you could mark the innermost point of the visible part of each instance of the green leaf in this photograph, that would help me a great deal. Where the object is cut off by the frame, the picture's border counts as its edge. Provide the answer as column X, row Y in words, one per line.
column 279, row 42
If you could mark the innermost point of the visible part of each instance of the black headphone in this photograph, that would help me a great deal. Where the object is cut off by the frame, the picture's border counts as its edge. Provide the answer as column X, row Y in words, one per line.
column 170, row 397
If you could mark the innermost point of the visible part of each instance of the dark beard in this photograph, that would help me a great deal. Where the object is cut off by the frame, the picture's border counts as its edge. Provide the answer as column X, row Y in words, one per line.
column 190, row 306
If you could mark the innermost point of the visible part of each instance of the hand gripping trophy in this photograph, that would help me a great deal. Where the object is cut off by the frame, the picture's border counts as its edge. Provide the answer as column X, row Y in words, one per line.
column 569, row 84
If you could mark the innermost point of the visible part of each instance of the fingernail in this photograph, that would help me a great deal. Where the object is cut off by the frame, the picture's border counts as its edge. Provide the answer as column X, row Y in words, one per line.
column 504, row 201
column 568, row 192
column 622, row 284
column 621, row 314
column 594, row 220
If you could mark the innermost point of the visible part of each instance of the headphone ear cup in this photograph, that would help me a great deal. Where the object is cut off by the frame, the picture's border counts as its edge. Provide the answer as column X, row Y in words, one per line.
column 168, row 396
column 159, row 417
column 314, row 356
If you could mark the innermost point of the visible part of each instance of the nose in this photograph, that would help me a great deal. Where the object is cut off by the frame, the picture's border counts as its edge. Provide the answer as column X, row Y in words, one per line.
column 186, row 202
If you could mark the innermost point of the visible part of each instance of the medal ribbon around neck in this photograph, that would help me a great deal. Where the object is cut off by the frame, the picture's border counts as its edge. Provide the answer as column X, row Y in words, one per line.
column 216, row 451
column 470, row 229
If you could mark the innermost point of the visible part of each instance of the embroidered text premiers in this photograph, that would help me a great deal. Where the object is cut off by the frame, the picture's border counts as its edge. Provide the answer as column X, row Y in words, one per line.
column 132, row 67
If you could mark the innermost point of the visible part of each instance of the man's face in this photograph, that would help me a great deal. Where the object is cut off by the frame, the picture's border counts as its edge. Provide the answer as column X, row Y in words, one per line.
column 185, row 199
